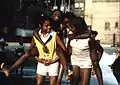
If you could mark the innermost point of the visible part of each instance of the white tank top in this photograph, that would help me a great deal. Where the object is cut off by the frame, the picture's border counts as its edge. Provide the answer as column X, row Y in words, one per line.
column 80, row 47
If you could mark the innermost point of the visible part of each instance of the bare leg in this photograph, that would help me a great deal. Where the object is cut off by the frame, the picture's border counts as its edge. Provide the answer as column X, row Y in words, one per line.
column 76, row 76
column 40, row 79
column 61, row 71
column 17, row 64
column 96, row 67
column 63, row 65
column 85, row 74
column 98, row 73
column 53, row 80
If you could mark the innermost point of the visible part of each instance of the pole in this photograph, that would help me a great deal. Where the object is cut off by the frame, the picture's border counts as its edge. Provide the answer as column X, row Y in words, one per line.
column 62, row 6
column 84, row 9
column 55, row 5
column 91, row 20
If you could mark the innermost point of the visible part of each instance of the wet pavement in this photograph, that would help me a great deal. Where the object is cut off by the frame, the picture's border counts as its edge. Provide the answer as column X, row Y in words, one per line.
column 30, row 72
column 27, row 79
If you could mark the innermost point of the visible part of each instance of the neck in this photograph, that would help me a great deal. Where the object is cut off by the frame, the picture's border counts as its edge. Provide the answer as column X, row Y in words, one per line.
column 43, row 32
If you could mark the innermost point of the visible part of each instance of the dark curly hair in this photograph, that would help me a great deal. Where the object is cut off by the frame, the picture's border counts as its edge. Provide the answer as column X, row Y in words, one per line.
column 78, row 22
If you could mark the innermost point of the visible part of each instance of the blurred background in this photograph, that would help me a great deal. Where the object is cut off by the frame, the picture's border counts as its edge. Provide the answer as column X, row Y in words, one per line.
column 100, row 15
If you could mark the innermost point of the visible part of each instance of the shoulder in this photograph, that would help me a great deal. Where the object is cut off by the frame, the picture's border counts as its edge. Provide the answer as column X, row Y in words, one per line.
column 52, row 32
column 92, row 42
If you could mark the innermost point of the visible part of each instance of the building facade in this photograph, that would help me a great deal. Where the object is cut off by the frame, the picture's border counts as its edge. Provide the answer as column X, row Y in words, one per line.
column 102, row 16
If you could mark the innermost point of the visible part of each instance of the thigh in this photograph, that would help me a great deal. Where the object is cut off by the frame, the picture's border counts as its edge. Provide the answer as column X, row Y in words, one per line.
column 76, row 75
column 53, row 80
column 53, row 69
column 76, row 70
column 41, row 69
column 40, row 79
column 85, row 74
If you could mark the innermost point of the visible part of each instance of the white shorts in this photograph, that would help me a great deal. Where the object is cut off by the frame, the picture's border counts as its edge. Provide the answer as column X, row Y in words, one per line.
column 52, row 69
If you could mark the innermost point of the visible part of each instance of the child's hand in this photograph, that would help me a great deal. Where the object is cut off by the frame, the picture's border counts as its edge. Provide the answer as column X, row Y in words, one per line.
column 69, row 74
column 47, row 62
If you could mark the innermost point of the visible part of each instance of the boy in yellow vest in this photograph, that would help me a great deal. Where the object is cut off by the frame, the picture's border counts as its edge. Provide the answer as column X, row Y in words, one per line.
column 48, row 58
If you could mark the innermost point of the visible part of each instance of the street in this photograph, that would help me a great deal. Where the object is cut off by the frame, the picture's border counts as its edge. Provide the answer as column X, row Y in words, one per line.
column 30, row 72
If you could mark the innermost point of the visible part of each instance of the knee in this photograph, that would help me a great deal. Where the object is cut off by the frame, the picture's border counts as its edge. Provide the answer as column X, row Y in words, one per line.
column 54, row 83
column 39, row 82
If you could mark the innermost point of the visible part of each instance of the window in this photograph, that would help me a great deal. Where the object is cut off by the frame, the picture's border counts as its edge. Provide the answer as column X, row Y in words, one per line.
column 116, row 24
column 107, row 25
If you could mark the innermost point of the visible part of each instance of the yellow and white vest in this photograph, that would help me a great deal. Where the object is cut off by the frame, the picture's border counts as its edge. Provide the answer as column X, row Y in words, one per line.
column 51, row 45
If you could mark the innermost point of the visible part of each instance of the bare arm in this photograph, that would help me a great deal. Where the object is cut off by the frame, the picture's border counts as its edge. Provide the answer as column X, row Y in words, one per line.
column 45, row 62
column 39, row 60
column 69, row 49
column 32, row 44
column 100, row 50
column 96, row 48
column 60, row 43
column 62, row 52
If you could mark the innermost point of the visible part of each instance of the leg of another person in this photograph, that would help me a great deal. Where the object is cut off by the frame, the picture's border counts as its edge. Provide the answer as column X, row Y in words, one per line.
column 18, row 63
column 98, row 73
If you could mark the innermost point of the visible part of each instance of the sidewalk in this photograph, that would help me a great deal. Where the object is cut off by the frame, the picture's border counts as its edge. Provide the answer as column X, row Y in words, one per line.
column 30, row 72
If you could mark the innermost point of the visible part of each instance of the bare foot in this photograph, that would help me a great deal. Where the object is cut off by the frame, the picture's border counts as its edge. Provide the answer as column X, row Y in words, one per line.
column 5, row 70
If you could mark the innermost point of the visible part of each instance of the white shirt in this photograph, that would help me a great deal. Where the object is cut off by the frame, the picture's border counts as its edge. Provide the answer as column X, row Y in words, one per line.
column 45, row 37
